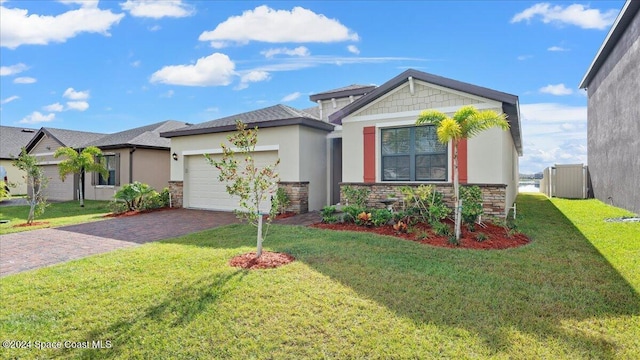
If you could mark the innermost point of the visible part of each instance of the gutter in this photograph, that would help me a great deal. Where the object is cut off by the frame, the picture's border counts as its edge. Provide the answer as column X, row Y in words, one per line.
column 133, row 149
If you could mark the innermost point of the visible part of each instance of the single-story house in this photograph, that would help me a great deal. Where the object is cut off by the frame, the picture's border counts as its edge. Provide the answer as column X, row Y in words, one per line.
column 613, row 113
column 12, row 140
column 138, row 154
column 359, row 136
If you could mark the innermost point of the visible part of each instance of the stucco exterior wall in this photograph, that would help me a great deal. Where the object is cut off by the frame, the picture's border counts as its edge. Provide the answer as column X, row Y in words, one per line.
column 313, row 165
column 92, row 191
column 16, row 177
column 328, row 109
column 613, row 133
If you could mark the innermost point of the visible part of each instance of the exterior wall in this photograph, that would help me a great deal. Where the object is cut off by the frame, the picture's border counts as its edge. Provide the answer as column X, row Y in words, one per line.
column 92, row 191
column 328, row 109
column 425, row 97
column 313, row 165
column 493, row 195
column 614, row 124
column 16, row 177
column 56, row 189
column 298, row 193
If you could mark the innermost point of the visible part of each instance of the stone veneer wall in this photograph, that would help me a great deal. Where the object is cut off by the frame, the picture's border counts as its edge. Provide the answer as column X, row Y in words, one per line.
column 298, row 192
column 493, row 196
column 176, row 191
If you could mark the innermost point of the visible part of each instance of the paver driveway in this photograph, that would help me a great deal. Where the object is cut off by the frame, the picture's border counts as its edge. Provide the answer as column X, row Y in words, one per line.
column 34, row 249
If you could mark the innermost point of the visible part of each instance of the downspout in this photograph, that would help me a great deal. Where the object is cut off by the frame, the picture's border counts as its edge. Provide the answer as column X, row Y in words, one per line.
column 133, row 149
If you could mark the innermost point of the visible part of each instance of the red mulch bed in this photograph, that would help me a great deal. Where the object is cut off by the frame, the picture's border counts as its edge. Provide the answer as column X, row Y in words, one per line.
column 267, row 260
column 497, row 236
column 137, row 212
column 35, row 223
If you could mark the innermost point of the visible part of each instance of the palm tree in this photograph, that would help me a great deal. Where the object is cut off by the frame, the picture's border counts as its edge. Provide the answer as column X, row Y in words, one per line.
column 78, row 163
column 466, row 123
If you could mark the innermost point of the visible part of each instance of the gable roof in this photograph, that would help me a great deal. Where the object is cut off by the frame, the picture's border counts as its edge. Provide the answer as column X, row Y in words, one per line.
column 342, row 92
column 510, row 103
column 13, row 139
column 628, row 12
column 70, row 138
column 145, row 136
column 273, row 116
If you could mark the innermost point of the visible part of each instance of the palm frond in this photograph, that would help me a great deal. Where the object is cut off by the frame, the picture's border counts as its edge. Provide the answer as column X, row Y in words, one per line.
column 433, row 117
column 484, row 120
column 448, row 130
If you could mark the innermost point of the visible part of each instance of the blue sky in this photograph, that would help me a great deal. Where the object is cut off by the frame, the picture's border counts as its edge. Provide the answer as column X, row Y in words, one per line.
column 113, row 65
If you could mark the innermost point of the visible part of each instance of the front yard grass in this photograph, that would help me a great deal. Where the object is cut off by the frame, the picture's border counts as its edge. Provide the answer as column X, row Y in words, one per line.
column 348, row 295
column 56, row 214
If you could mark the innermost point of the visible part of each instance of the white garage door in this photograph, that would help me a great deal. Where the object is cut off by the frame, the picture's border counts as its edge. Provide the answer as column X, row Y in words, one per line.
column 56, row 189
column 204, row 191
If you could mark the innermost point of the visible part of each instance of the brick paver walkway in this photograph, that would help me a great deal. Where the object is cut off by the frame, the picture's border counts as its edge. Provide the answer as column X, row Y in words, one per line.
column 38, row 248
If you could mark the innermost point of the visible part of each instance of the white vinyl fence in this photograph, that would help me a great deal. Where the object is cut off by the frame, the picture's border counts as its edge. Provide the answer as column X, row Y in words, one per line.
column 565, row 181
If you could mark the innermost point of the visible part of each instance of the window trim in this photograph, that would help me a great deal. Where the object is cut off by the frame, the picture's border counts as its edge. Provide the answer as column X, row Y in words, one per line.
column 412, row 155
column 116, row 173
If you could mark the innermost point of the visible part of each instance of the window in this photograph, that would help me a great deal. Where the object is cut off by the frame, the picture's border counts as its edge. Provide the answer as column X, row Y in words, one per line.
column 413, row 154
column 110, row 164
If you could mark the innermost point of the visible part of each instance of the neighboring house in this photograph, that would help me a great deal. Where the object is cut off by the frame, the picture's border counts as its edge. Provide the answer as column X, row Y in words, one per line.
column 44, row 144
column 138, row 154
column 613, row 116
column 374, row 144
column 12, row 140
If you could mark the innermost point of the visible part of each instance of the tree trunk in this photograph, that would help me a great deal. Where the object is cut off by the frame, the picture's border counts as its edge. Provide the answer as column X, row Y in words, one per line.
column 259, row 251
column 80, row 186
column 456, row 190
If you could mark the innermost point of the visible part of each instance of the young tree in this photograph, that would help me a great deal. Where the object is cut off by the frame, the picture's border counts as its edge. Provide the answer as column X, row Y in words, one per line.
column 253, row 185
column 78, row 163
column 36, row 181
column 466, row 123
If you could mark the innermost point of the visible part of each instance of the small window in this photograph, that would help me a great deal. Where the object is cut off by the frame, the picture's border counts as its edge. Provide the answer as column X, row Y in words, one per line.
column 413, row 154
column 110, row 164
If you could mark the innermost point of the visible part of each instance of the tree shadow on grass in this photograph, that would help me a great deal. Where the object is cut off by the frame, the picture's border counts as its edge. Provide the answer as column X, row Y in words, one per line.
column 542, row 290
column 180, row 306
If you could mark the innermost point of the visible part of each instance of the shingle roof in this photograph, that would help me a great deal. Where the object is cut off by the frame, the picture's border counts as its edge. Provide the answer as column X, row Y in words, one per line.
column 313, row 111
column 277, row 115
column 70, row 138
column 510, row 103
column 13, row 139
column 144, row 136
column 345, row 91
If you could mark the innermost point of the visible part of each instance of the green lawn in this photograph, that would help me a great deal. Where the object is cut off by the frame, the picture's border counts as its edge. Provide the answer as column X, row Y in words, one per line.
column 56, row 214
column 570, row 294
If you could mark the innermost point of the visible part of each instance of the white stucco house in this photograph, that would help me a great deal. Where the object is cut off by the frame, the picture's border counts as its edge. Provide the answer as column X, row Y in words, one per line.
column 359, row 136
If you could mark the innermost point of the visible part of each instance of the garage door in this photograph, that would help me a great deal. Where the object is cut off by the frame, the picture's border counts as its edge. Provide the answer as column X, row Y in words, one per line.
column 56, row 189
column 204, row 191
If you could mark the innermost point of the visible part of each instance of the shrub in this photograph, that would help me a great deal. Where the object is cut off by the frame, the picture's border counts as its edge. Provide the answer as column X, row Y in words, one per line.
column 328, row 214
column 425, row 204
column 351, row 212
column 135, row 194
column 400, row 226
column 453, row 240
column 441, row 229
column 471, row 197
column 356, row 197
column 281, row 201
column 380, row 217
column 480, row 237
column 363, row 218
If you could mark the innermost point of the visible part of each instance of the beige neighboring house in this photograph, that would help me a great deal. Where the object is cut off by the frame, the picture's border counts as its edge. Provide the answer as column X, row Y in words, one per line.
column 12, row 140
column 138, row 154
column 361, row 136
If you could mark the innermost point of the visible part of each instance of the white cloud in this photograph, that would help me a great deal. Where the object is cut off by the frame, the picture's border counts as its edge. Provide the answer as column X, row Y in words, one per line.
column 575, row 14
column 82, row 3
column 559, row 90
column 212, row 109
column 252, row 76
column 214, row 70
column 154, row 28
column 157, row 9
column 291, row 97
column 37, row 117
column 553, row 134
column 18, row 27
column 9, row 99
column 168, row 94
column 56, row 107
column 557, row 48
column 353, row 49
column 71, row 94
column 77, row 105
column 278, row 26
column 24, row 80
column 12, row 69
column 136, row 63
column 299, row 51
column 524, row 57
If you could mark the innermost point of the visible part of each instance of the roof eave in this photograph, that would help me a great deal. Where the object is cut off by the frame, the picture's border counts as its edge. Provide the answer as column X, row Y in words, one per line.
column 623, row 20
column 341, row 94
column 316, row 124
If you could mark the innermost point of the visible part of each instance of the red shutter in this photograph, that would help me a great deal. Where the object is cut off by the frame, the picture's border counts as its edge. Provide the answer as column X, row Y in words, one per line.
column 462, row 161
column 369, row 137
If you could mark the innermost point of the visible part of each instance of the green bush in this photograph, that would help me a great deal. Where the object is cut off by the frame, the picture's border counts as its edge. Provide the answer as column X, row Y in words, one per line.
column 441, row 229
column 137, row 195
column 424, row 204
column 471, row 197
column 328, row 214
column 355, row 197
column 351, row 213
column 480, row 237
column 281, row 201
column 380, row 217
